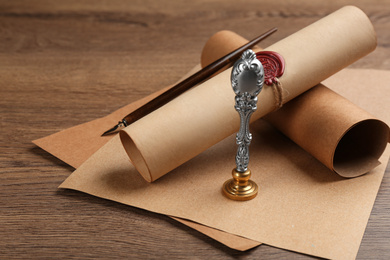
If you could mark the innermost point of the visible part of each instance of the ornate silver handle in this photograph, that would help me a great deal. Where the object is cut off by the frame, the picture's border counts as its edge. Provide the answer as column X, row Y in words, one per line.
column 245, row 106
column 247, row 81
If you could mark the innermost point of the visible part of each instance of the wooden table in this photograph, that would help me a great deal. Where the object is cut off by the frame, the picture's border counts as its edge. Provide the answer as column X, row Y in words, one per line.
column 63, row 63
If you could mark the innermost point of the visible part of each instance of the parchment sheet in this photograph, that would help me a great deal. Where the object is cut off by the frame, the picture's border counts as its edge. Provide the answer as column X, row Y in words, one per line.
column 76, row 144
column 85, row 178
column 302, row 206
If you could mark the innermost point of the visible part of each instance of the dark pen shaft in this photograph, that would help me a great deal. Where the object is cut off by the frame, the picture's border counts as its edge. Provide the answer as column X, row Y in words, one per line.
column 187, row 83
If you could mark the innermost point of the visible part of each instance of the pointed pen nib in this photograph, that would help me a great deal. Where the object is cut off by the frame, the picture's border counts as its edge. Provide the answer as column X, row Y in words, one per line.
column 121, row 124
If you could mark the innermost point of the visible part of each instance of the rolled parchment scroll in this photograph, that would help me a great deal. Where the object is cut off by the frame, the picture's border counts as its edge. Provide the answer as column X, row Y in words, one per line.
column 345, row 138
column 203, row 116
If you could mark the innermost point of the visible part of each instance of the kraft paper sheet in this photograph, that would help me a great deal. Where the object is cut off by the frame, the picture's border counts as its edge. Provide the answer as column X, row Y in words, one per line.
column 302, row 205
column 83, row 139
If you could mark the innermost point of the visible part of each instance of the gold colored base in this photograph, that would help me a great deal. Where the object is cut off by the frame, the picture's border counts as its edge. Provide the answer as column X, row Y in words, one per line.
column 240, row 187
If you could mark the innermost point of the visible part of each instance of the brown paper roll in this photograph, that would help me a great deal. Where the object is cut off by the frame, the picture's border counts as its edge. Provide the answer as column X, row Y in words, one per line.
column 345, row 138
column 205, row 115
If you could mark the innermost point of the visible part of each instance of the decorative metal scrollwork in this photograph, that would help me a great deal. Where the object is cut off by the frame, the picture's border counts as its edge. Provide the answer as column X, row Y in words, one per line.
column 247, row 81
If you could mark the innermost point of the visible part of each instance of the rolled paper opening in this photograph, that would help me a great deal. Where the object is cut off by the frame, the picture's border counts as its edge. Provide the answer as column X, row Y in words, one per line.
column 135, row 156
column 359, row 149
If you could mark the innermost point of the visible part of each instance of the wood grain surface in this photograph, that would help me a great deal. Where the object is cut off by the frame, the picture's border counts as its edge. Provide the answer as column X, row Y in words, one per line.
column 63, row 63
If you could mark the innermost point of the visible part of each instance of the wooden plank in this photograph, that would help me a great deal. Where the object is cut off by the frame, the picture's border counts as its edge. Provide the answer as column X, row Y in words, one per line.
column 67, row 62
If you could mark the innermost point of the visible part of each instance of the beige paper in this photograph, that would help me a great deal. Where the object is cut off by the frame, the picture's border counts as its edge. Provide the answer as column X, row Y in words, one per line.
column 301, row 206
column 203, row 116
column 75, row 144
column 350, row 147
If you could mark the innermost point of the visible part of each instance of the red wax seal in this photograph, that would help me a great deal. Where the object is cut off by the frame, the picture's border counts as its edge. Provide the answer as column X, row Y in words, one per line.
column 273, row 64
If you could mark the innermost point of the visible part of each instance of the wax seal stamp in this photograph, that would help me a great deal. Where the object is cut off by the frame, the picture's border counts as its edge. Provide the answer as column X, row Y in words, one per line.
column 247, row 81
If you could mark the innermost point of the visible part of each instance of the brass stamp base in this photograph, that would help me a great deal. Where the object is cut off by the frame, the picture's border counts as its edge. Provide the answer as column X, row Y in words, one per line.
column 240, row 187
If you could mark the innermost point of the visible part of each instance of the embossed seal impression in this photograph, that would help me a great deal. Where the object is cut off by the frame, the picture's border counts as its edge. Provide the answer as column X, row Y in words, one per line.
column 273, row 64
